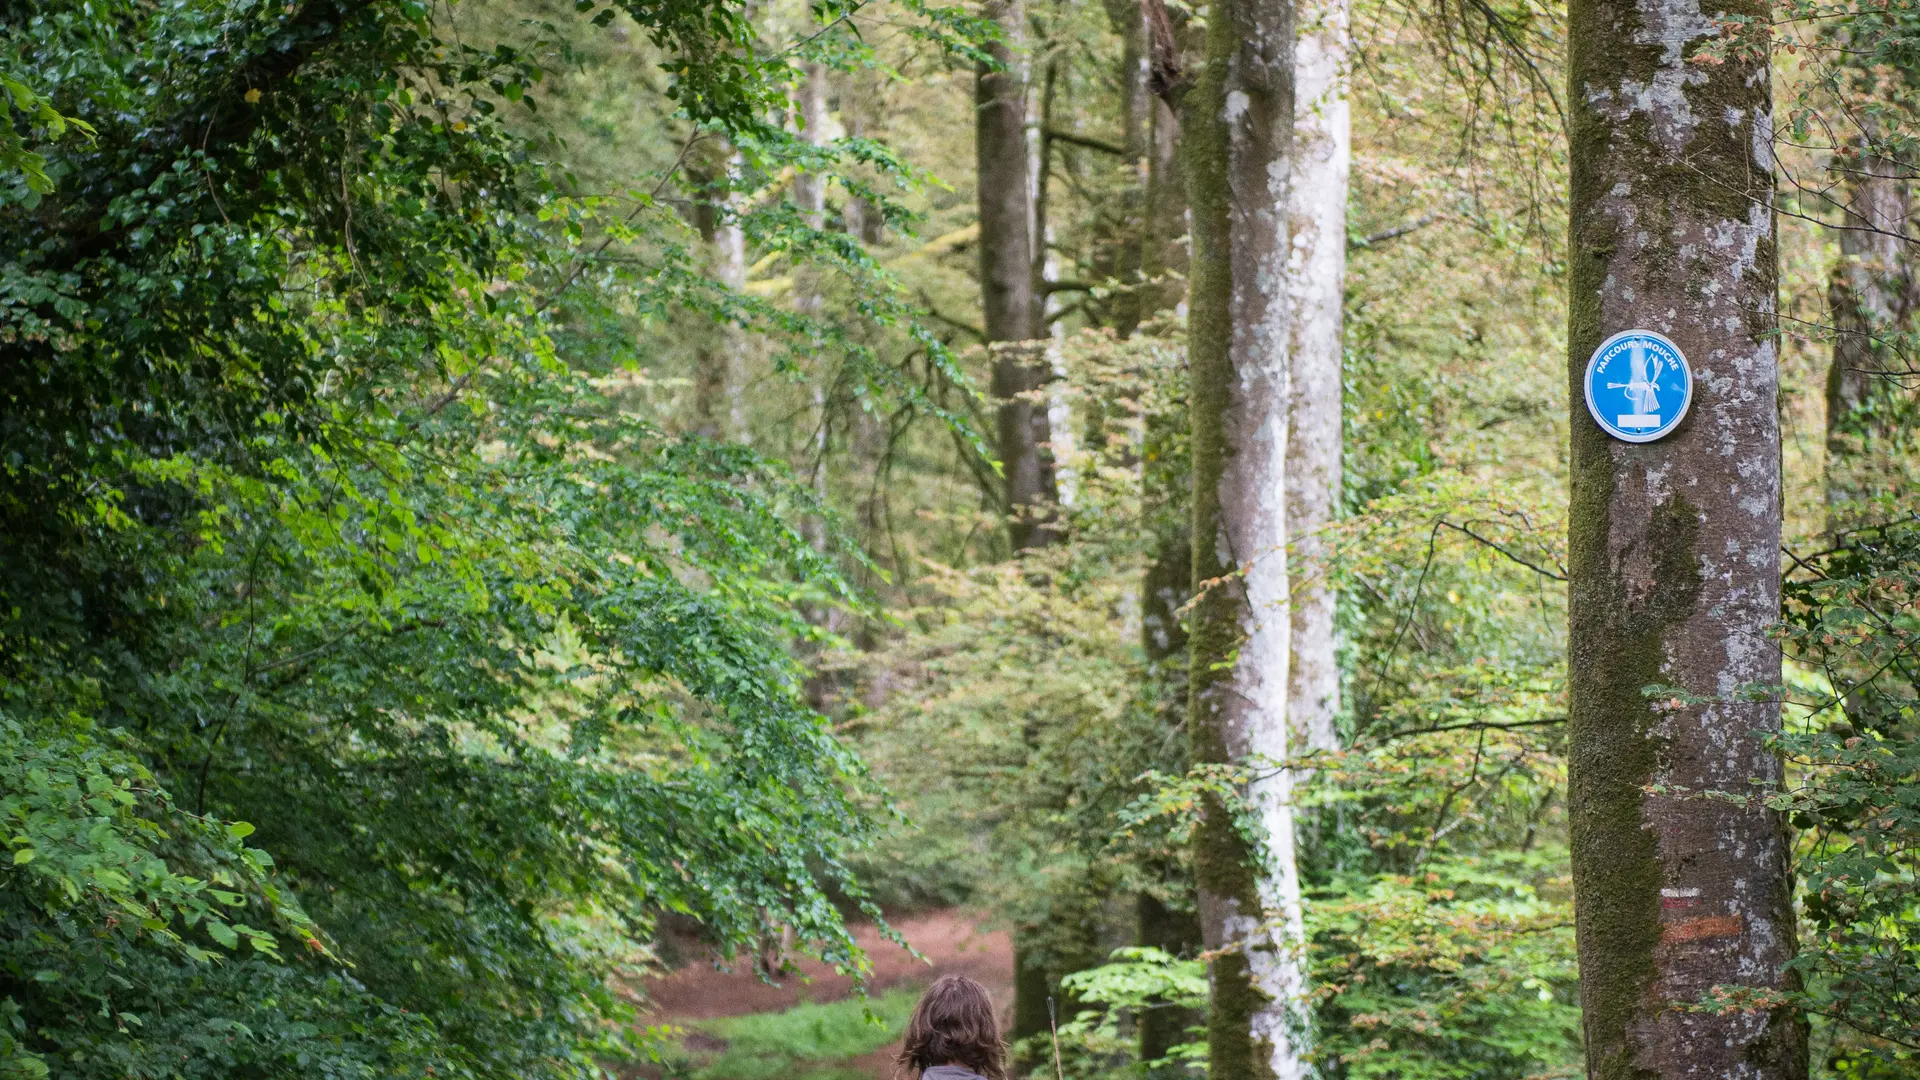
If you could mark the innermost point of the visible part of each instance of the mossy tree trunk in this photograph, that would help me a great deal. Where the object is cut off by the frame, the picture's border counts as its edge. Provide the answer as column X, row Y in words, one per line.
column 1322, row 158
column 1007, row 279
column 1674, row 553
column 1239, row 131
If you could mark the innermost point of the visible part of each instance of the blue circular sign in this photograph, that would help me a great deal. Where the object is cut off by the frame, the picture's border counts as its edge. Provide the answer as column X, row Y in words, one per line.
column 1638, row 386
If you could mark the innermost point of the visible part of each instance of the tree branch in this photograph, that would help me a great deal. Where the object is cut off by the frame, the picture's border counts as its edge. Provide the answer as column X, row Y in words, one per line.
column 1081, row 140
column 1358, row 243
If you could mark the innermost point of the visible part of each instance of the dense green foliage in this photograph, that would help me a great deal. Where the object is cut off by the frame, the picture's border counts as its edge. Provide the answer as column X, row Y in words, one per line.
column 1851, row 631
column 331, row 513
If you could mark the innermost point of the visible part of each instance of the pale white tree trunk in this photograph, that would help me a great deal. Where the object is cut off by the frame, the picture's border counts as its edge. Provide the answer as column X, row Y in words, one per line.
column 1242, row 114
column 1316, row 280
column 810, row 188
column 721, row 359
column 730, row 258
column 810, row 195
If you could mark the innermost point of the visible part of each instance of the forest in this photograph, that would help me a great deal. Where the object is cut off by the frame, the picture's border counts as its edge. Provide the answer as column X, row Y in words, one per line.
column 613, row 538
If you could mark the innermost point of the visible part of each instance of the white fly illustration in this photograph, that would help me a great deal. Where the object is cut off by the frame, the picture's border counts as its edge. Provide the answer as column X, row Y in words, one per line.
column 1642, row 387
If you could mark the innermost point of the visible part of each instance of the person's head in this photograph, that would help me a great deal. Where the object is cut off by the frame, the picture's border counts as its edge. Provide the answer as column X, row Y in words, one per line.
column 953, row 1025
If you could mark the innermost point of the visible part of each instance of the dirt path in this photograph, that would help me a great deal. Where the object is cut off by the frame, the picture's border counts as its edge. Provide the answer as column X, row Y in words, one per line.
column 952, row 942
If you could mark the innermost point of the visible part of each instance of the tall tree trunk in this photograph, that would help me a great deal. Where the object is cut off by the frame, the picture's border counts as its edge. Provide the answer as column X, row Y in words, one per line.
column 1674, row 552
column 1869, row 296
column 1165, row 477
column 719, row 352
column 1322, row 156
column 1019, row 368
column 810, row 195
column 1006, row 280
column 1239, row 132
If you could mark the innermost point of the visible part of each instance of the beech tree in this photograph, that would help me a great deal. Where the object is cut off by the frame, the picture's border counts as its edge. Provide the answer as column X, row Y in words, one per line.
column 1322, row 157
column 1239, row 133
column 1674, row 557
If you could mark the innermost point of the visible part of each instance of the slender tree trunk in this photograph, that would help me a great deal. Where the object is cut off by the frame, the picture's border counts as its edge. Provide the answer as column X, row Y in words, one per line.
column 1869, row 297
column 1322, row 155
column 810, row 188
column 862, row 105
column 1163, row 239
column 719, row 354
column 1019, row 365
column 1674, row 556
column 1006, row 281
column 810, row 195
column 1166, row 480
column 1118, row 256
column 1239, row 132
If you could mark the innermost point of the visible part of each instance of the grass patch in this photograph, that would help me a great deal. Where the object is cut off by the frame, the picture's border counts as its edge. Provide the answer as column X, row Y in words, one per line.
column 805, row 1042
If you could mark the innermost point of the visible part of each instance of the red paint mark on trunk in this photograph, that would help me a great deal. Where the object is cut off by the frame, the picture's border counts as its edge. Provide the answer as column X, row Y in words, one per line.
column 1709, row 926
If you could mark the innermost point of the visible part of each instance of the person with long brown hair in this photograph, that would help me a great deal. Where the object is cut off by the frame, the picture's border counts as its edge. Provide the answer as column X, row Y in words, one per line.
column 953, row 1035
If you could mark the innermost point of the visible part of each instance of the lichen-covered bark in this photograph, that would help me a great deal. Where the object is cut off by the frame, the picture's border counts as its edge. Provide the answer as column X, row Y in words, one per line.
column 1239, row 132
column 1006, row 279
column 1674, row 549
column 1322, row 156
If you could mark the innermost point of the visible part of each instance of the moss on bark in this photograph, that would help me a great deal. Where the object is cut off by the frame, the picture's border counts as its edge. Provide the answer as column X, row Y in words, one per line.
column 1674, row 552
column 1237, row 131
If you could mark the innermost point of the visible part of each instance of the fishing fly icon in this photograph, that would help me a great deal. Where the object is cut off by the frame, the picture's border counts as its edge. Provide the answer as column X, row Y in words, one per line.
column 1643, row 406
column 1643, row 389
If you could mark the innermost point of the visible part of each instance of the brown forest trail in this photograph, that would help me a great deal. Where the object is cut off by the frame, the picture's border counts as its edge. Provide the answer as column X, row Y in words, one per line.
column 952, row 941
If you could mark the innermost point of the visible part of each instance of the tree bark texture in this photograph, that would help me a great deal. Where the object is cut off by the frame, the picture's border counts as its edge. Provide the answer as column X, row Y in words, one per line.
column 1006, row 280
column 1322, row 159
column 1675, row 553
column 1870, row 295
column 1239, row 132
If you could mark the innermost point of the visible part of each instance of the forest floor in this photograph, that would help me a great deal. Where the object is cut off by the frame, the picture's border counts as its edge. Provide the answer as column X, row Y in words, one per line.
column 731, row 1025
